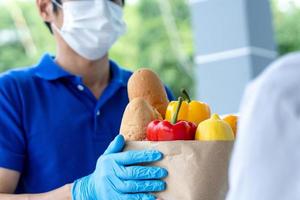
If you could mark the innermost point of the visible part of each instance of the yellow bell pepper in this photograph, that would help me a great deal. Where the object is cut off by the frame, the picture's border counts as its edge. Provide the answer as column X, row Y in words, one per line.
column 214, row 129
column 192, row 111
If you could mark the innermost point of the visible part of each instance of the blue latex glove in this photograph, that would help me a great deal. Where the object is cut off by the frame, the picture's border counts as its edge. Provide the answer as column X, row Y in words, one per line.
column 115, row 177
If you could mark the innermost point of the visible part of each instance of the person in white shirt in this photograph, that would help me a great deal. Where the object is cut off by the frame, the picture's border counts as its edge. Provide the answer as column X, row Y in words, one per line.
column 266, row 159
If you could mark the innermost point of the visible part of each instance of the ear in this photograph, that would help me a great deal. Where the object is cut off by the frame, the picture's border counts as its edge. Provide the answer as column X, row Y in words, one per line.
column 45, row 9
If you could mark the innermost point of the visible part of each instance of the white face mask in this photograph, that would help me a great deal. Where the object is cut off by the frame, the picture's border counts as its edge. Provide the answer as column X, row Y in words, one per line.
column 91, row 27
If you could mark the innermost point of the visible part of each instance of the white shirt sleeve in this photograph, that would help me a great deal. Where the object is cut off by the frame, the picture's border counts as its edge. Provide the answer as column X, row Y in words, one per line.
column 266, row 159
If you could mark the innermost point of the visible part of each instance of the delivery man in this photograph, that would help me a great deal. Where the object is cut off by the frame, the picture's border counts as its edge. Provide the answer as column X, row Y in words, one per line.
column 58, row 117
column 266, row 158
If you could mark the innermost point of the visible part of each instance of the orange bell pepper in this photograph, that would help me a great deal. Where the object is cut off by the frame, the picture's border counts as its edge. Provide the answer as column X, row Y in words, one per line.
column 232, row 120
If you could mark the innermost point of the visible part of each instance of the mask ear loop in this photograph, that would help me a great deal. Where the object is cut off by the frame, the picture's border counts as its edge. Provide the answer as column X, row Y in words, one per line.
column 58, row 4
column 53, row 25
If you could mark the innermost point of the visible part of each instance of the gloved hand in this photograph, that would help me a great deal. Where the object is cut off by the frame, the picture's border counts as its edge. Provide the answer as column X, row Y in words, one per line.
column 115, row 177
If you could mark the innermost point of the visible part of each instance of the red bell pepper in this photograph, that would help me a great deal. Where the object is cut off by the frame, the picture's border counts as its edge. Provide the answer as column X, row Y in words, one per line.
column 163, row 130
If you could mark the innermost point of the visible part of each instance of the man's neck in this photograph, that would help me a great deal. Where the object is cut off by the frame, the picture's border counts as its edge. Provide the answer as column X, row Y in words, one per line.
column 95, row 74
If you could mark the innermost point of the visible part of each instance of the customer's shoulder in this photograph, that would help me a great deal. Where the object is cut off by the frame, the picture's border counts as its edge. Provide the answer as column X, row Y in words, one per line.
column 281, row 75
column 284, row 65
column 291, row 59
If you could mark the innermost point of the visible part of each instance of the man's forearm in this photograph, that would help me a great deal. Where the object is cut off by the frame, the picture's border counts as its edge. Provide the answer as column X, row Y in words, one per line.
column 63, row 193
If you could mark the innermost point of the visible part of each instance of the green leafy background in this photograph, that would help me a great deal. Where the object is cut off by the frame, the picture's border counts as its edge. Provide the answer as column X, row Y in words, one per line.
column 146, row 43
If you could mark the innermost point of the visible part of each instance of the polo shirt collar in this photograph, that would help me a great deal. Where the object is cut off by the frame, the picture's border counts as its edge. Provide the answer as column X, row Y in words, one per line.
column 48, row 69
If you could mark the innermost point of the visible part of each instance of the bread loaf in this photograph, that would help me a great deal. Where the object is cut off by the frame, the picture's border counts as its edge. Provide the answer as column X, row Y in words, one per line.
column 145, row 84
column 138, row 114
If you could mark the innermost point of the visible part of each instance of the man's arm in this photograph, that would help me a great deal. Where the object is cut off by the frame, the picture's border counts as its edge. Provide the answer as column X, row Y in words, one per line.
column 8, row 180
column 117, row 176
column 8, row 183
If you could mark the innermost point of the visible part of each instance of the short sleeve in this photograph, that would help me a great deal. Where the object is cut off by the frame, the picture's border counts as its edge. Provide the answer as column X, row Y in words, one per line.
column 12, row 142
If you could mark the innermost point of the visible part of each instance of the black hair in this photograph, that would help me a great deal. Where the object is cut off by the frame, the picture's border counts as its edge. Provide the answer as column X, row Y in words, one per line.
column 55, row 8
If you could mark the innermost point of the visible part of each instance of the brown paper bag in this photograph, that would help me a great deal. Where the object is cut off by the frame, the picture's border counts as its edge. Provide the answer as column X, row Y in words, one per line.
column 197, row 170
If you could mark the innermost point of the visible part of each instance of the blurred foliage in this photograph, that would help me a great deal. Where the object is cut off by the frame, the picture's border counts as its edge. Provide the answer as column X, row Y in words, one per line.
column 12, row 53
column 287, row 28
column 146, row 43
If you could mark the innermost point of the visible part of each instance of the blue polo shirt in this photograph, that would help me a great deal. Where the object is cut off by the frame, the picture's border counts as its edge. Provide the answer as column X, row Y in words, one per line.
column 52, row 128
